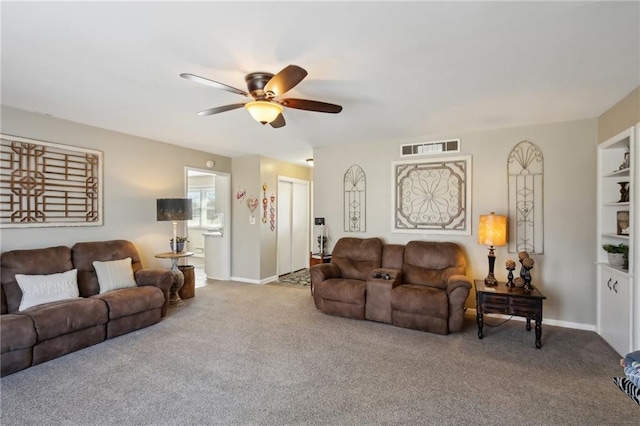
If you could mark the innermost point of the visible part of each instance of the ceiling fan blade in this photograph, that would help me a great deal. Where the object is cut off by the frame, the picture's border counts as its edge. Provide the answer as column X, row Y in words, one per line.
column 219, row 109
column 308, row 105
column 285, row 80
column 278, row 122
column 212, row 83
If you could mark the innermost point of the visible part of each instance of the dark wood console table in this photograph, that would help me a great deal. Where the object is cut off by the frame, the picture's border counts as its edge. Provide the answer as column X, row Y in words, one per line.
column 505, row 300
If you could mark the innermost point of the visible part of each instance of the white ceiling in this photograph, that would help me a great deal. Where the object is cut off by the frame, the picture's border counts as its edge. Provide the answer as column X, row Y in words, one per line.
column 402, row 71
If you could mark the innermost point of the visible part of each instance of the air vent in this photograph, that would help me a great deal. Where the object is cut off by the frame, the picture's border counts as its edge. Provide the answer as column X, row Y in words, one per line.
column 430, row 148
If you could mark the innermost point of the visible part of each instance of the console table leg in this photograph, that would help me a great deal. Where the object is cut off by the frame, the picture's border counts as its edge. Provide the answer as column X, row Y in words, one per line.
column 528, row 324
column 538, row 334
column 480, row 321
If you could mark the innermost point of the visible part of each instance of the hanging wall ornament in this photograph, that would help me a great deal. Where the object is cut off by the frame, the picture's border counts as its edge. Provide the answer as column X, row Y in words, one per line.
column 525, row 169
column 240, row 194
column 252, row 203
column 264, row 203
column 355, row 194
column 272, row 212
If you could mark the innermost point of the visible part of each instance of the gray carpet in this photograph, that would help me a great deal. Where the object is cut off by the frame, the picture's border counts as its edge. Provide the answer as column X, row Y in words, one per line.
column 243, row 354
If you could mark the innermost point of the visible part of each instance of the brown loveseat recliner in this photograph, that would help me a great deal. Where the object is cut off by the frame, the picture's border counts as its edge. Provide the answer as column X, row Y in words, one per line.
column 421, row 285
column 46, row 331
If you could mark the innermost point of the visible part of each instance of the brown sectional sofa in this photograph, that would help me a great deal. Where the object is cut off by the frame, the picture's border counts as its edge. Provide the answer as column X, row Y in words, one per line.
column 43, row 332
column 420, row 286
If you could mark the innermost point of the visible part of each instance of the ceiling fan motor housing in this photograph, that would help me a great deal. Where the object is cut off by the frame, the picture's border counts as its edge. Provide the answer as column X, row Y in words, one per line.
column 256, row 82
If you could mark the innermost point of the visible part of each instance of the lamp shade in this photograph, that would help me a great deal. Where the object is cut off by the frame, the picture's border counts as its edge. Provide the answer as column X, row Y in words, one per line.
column 174, row 209
column 264, row 111
column 492, row 230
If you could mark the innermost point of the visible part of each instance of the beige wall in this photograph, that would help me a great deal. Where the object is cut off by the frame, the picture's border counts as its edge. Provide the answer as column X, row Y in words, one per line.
column 254, row 246
column 565, row 272
column 622, row 115
column 137, row 171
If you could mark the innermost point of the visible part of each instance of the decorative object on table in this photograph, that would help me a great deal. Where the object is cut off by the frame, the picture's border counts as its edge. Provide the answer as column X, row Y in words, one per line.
column 624, row 192
column 322, row 244
column 355, row 196
column 264, row 202
column 511, row 266
column 622, row 219
column 432, row 196
column 180, row 246
column 47, row 184
column 617, row 254
column 492, row 231
column 527, row 265
column 518, row 282
column 525, row 170
column 174, row 209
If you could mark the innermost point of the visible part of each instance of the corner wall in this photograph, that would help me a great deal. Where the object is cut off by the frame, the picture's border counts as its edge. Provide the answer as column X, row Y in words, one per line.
column 565, row 272
column 136, row 172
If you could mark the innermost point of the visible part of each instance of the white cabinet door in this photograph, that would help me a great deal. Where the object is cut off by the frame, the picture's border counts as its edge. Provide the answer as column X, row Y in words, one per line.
column 614, row 298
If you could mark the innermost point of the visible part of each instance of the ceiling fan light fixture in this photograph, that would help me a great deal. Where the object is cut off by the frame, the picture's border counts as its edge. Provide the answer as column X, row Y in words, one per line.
column 263, row 111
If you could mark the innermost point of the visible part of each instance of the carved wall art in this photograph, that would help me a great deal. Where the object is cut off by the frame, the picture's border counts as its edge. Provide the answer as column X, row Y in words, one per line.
column 525, row 168
column 432, row 195
column 355, row 197
column 46, row 184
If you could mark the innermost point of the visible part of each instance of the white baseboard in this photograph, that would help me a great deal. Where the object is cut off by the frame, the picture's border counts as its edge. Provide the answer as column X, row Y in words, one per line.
column 252, row 281
column 547, row 321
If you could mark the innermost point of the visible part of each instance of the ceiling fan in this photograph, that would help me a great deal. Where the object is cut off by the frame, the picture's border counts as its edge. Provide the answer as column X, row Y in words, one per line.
column 264, row 87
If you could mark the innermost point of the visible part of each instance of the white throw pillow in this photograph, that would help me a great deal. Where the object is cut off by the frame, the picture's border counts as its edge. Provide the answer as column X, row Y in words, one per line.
column 114, row 274
column 39, row 289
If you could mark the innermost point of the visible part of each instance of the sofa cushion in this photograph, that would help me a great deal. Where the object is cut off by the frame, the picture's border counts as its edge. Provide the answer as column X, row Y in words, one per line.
column 129, row 301
column 39, row 289
column 114, row 274
column 58, row 318
column 343, row 290
column 421, row 300
column 432, row 263
column 44, row 261
column 18, row 332
column 84, row 254
column 357, row 257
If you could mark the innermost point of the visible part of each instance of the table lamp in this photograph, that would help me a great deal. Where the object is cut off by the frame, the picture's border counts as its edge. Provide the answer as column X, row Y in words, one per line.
column 492, row 231
column 174, row 209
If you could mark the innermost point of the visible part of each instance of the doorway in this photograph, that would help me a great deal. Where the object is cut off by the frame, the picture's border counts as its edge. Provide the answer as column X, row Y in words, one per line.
column 293, row 224
column 209, row 231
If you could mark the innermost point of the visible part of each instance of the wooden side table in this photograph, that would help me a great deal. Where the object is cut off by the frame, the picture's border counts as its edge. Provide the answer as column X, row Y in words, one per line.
column 505, row 300
column 178, row 276
column 317, row 258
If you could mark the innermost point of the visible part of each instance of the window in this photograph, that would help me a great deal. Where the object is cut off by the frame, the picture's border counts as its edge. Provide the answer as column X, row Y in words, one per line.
column 204, row 208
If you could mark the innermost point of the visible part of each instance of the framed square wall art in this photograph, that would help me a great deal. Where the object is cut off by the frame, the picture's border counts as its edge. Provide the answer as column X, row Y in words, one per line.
column 432, row 196
column 47, row 184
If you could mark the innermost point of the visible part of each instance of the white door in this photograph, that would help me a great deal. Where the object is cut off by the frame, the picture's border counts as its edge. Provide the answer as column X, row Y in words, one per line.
column 285, row 191
column 293, row 225
column 300, row 226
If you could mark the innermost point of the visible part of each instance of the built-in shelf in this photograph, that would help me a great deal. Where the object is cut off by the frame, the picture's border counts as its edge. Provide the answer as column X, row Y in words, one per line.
column 618, row 173
column 625, row 204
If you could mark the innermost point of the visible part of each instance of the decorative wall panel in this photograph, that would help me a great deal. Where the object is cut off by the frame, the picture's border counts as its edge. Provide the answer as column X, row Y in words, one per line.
column 47, row 184
column 525, row 167
column 432, row 196
column 355, row 197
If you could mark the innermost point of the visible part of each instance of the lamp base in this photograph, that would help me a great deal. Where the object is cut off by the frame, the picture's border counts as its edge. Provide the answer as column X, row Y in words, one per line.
column 490, row 280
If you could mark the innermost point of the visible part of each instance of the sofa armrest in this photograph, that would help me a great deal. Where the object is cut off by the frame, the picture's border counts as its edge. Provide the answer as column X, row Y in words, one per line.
column 458, row 288
column 324, row 271
column 161, row 278
column 458, row 281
